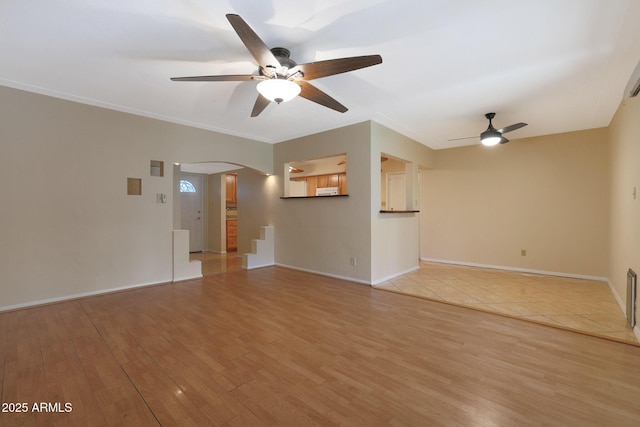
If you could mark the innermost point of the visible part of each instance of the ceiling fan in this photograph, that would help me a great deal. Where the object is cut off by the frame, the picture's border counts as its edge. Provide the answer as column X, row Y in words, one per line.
column 281, row 79
column 493, row 136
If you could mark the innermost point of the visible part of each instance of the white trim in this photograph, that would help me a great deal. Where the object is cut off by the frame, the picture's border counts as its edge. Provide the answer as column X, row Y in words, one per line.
column 619, row 300
column 80, row 295
column 187, row 277
column 393, row 276
column 517, row 269
column 623, row 307
column 253, row 267
column 335, row 276
column 634, row 82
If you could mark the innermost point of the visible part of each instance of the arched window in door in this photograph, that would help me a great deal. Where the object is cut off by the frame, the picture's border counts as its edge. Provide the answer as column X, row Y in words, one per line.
column 186, row 186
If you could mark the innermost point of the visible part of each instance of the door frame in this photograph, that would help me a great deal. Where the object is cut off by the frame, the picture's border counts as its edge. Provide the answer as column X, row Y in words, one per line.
column 204, row 212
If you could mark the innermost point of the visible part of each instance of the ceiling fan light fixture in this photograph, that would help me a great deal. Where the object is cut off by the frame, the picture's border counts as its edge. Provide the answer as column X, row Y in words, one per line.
column 490, row 138
column 278, row 90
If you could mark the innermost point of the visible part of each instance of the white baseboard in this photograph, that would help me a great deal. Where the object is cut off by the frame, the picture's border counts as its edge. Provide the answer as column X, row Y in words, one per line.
column 80, row 295
column 335, row 276
column 623, row 307
column 186, row 277
column 253, row 267
column 393, row 276
column 619, row 300
column 517, row 269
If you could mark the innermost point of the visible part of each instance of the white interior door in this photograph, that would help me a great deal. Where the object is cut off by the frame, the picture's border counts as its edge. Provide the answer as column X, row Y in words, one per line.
column 191, row 209
column 396, row 191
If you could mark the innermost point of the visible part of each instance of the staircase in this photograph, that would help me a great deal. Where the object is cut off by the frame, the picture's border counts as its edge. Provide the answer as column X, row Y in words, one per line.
column 262, row 250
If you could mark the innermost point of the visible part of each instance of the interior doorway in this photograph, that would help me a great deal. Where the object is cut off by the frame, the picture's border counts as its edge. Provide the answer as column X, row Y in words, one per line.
column 231, row 209
column 396, row 191
column 191, row 209
column 217, row 205
column 421, row 214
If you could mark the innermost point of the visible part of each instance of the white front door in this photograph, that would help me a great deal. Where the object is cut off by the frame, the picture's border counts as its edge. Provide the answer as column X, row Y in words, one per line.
column 191, row 209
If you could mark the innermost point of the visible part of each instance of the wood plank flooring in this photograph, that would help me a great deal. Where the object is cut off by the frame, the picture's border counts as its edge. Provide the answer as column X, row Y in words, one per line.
column 213, row 263
column 279, row 347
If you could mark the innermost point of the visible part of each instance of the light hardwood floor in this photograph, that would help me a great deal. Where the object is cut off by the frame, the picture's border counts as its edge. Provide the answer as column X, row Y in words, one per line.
column 213, row 263
column 279, row 347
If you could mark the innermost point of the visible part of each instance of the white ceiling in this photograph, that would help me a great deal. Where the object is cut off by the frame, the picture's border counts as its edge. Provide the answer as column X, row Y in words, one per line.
column 559, row 65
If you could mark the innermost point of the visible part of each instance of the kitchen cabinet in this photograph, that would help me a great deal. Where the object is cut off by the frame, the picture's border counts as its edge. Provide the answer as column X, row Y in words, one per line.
column 232, row 235
column 232, row 187
column 312, row 184
column 323, row 181
column 342, row 183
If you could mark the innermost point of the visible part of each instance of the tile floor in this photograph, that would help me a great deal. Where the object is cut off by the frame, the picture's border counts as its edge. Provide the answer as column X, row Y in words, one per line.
column 580, row 304
column 584, row 305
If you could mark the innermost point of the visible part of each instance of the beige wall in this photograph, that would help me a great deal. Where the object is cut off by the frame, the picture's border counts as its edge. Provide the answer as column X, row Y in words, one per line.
column 257, row 195
column 625, row 209
column 547, row 195
column 68, row 227
column 322, row 234
column 395, row 238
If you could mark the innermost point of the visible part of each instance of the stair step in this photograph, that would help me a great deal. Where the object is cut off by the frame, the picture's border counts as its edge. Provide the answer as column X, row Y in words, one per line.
column 262, row 250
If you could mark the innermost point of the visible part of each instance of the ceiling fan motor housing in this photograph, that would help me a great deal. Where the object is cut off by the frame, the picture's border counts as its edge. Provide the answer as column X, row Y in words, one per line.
column 286, row 63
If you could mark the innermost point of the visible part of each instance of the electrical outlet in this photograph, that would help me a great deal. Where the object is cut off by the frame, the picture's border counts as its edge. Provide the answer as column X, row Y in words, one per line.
column 353, row 261
column 523, row 252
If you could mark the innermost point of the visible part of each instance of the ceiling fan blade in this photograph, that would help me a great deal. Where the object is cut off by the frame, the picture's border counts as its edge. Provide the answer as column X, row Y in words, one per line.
column 503, row 140
column 512, row 127
column 259, row 106
column 460, row 139
column 314, row 94
column 254, row 44
column 226, row 78
column 315, row 70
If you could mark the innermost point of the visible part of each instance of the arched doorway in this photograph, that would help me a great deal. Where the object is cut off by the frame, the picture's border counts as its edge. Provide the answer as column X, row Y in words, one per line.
column 245, row 207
